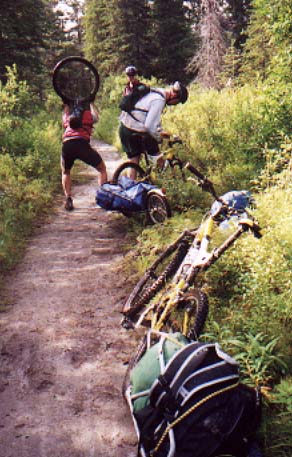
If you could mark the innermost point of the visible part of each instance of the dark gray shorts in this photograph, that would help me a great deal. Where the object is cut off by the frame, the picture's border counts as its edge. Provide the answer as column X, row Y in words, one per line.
column 135, row 143
column 79, row 149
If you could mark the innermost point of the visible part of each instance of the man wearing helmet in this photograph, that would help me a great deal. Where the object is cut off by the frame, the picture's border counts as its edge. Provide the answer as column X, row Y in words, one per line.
column 141, row 130
column 133, row 81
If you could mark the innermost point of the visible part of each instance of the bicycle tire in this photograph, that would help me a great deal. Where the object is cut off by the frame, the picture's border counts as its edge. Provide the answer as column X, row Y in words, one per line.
column 151, row 283
column 158, row 209
column 195, row 303
column 126, row 167
column 62, row 87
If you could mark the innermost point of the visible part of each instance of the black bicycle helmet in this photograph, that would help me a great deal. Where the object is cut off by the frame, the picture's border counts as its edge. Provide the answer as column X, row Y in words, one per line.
column 131, row 70
column 181, row 91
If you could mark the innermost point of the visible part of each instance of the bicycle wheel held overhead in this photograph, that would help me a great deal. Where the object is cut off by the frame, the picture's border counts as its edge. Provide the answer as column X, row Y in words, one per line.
column 158, row 209
column 126, row 169
column 75, row 78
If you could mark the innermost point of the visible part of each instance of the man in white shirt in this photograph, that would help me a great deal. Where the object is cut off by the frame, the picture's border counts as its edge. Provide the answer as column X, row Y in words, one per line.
column 141, row 129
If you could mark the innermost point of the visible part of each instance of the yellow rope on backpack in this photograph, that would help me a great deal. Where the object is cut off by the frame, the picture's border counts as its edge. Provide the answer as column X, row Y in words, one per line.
column 189, row 411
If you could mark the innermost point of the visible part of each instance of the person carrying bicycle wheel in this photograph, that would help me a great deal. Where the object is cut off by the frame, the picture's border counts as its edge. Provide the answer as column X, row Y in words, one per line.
column 140, row 129
column 78, row 127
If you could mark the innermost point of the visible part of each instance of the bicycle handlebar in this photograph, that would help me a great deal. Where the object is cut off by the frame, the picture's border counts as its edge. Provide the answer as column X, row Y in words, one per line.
column 252, row 226
column 176, row 140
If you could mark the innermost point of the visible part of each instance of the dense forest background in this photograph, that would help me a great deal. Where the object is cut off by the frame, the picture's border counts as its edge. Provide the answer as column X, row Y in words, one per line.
column 236, row 58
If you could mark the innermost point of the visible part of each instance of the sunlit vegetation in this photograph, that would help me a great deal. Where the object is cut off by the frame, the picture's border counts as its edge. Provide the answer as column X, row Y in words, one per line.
column 29, row 165
column 236, row 128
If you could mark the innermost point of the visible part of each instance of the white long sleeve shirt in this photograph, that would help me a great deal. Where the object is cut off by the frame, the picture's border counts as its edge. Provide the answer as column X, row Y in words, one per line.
column 147, row 120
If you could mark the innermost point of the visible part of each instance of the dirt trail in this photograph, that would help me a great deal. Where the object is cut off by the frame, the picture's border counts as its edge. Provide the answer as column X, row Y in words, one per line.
column 62, row 351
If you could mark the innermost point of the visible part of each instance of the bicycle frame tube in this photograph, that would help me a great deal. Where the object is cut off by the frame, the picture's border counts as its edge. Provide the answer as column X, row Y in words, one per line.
column 212, row 257
column 198, row 252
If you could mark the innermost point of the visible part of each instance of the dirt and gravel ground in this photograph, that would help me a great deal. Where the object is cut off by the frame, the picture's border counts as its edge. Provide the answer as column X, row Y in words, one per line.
column 62, row 350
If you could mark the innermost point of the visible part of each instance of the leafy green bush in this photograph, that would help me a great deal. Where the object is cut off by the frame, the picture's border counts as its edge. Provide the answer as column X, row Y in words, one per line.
column 226, row 131
column 29, row 165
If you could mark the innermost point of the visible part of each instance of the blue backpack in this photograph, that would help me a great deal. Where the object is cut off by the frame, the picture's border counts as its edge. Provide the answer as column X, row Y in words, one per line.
column 127, row 196
column 239, row 200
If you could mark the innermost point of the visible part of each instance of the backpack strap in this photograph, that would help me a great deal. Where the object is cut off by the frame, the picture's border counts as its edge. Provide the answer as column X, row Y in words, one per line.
column 193, row 371
column 144, row 110
column 204, row 400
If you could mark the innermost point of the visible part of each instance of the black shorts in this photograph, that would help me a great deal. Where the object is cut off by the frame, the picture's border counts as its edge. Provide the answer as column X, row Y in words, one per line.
column 79, row 149
column 134, row 143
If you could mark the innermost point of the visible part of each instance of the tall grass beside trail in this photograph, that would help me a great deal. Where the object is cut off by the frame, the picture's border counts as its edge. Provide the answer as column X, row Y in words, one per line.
column 226, row 131
column 30, row 142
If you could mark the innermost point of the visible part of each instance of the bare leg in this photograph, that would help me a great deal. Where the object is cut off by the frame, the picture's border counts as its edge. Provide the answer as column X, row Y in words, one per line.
column 102, row 176
column 133, row 173
column 66, row 182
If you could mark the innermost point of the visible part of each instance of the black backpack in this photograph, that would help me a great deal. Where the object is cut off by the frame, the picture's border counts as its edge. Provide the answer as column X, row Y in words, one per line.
column 196, row 407
column 76, row 115
column 128, row 102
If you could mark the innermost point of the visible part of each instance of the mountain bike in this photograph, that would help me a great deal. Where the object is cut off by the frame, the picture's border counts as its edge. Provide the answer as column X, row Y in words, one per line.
column 158, row 207
column 168, row 297
column 150, row 169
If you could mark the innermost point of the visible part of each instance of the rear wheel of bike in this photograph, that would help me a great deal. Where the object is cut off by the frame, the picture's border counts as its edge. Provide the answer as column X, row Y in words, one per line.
column 190, row 316
column 125, row 170
column 75, row 78
column 161, row 271
column 158, row 209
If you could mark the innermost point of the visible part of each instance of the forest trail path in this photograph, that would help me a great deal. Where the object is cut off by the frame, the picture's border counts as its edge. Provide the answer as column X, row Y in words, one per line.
column 62, row 349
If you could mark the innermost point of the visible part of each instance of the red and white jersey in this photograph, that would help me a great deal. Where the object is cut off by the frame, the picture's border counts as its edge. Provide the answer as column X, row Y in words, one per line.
column 84, row 132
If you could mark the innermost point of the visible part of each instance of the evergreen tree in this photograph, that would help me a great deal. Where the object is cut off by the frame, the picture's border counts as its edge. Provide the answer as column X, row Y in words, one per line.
column 134, row 28
column 208, row 62
column 172, row 39
column 268, row 49
column 281, row 30
column 101, row 34
column 117, row 34
column 258, row 48
column 27, row 30
column 231, row 66
column 238, row 14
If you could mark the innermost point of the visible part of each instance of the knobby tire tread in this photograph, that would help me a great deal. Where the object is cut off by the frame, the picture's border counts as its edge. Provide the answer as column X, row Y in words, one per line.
column 165, row 204
column 168, row 273
column 201, row 313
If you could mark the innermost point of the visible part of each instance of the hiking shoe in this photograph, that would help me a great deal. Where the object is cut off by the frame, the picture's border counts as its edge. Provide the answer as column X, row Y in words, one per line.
column 69, row 204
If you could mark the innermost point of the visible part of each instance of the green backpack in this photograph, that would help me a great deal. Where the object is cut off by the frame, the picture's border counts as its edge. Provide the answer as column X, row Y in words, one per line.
column 149, row 367
column 186, row 400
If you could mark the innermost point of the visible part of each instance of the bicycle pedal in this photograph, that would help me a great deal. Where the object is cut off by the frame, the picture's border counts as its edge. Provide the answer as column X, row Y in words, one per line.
column 126, row 323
